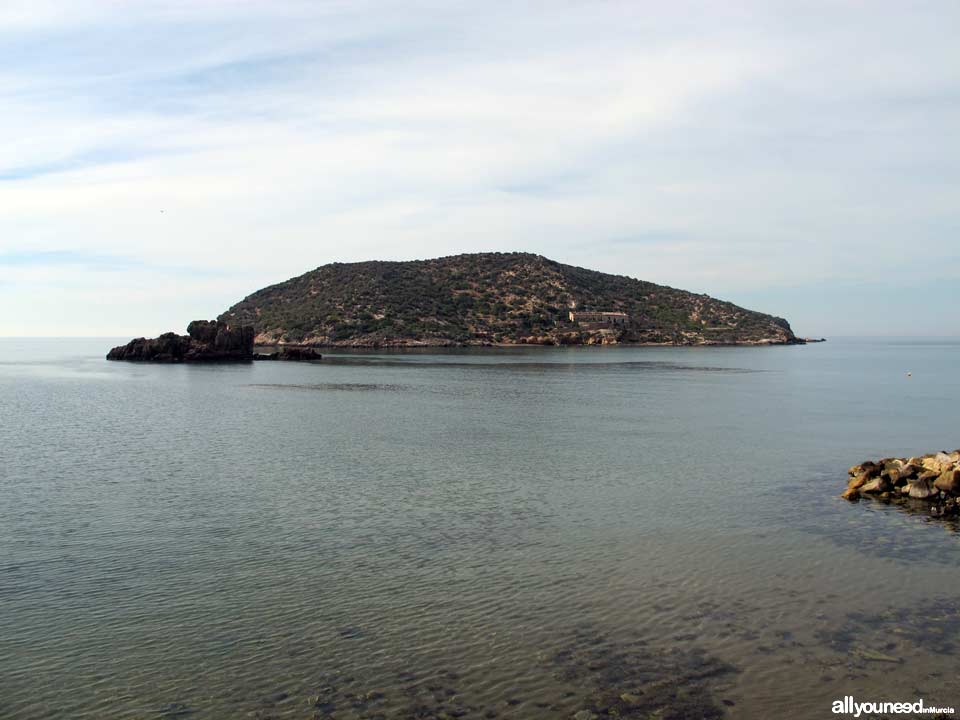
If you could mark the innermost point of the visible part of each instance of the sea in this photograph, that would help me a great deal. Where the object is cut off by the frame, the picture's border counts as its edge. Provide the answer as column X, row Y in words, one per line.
column 480, row 533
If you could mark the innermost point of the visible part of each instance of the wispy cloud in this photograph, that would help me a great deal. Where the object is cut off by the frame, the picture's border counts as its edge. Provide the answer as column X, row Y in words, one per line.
column 44, row 258
column 733, row 148
column 87, row 159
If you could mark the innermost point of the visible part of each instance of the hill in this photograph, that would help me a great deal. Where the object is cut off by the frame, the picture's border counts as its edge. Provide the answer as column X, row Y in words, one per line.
column 490, row 298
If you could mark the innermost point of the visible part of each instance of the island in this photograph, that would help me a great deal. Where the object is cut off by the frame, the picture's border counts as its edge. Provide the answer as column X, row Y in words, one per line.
column 491, row 299
column 480, row 299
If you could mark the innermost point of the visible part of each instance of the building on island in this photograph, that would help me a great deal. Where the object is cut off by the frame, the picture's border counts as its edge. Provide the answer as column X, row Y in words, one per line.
column 617, row 319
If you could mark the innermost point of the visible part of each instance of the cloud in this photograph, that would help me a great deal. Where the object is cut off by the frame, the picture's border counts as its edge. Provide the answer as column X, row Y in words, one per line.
column 46, row 258
column 736, row 149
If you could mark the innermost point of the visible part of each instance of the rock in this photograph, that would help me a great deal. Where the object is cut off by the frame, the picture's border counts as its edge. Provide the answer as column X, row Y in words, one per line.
column 892, row 475
column 921, row 489
column 206, row 341
column 934, row 478
column 866, row 476
column 293, row 354
column 857, row 482
column 877, row 485
column 862, row 467
column 204, row 331
column 930, row 463
column 910, row 470
column 949, row 482
column 299, row 354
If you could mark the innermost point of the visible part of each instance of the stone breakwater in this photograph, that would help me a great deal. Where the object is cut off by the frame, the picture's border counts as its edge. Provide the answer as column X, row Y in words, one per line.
column 932, row 479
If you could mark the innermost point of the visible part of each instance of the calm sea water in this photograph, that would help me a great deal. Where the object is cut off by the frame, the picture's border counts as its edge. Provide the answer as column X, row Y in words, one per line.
column 487, row 533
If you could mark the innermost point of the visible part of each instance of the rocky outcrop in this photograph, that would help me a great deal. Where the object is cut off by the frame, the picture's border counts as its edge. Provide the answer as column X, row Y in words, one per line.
column 205, row 341
column 933, row 480
column 292, row 354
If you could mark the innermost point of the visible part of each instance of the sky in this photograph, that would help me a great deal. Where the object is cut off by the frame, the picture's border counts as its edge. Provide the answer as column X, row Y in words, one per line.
column 160, row 161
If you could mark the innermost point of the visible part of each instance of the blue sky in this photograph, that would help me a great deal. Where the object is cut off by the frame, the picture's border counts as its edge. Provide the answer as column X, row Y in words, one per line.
column 162, row 160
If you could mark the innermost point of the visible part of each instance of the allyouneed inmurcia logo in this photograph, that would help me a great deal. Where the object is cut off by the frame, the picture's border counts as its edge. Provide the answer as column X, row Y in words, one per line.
column 849, row 706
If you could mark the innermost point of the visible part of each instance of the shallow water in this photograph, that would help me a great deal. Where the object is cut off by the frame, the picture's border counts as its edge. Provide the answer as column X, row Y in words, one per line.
column 482, row 533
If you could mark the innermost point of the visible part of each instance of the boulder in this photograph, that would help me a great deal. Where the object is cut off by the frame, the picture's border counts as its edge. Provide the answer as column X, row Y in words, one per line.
column 851, row 494
column 876, row 485
column 867, row 472
column 862, row 468
column 922, row 489
column 858, row 481
column 930, row 463
column 910, row 470
column 948, row 482
column 892, row 475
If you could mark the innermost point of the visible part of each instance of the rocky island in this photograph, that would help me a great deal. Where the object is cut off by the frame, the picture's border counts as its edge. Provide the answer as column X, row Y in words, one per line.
column 205, row 341
column 930, row 481
column 491, row 299
column 463, row 300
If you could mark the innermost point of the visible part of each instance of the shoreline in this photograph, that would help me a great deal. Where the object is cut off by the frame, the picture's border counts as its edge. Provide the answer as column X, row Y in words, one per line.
column 416, row 344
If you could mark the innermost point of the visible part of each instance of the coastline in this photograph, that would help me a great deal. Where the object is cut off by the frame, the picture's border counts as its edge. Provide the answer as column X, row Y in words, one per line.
column 440, row 343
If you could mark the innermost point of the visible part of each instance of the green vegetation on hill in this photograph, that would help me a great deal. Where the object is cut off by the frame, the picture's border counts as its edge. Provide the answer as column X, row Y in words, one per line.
column 487, row 298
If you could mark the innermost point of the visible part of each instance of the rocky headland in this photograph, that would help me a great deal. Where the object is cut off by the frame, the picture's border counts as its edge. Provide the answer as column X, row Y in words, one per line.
column 931, row 482
column 205, row 341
